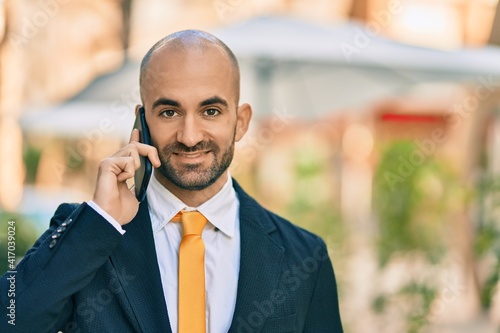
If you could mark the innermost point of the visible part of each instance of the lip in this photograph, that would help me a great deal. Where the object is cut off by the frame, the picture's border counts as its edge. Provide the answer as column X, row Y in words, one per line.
column 192, row 157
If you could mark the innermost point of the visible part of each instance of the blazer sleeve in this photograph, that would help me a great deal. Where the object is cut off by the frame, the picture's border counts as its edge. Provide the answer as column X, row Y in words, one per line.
column 323, row 315
column 62, row 262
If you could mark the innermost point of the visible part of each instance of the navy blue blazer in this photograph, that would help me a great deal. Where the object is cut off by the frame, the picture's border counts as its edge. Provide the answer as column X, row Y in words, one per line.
column 82, row 276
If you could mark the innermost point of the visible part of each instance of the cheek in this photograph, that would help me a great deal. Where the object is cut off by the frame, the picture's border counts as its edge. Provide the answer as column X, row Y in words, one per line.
column 162, row 137
column 224, row 135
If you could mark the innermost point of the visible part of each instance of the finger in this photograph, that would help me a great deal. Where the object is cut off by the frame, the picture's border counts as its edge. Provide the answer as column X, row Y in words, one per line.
column 135, row 155
column 149, row 151
column 129, row 150
column 135, row 149
column 154, row 157
column 125, row 168
column 135, row 136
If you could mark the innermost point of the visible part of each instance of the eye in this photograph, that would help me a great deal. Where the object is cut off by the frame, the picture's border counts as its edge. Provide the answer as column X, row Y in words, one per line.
column 211, row 112
column 168, row 113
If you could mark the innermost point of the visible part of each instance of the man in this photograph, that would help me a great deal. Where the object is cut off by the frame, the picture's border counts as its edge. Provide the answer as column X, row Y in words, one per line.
column 112, row 265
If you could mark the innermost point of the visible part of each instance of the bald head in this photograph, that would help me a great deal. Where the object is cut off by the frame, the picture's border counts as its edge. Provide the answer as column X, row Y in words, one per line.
column 188, row 41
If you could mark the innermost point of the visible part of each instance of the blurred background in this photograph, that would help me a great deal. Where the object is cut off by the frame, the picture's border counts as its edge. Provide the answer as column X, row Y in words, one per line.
column 377, row 126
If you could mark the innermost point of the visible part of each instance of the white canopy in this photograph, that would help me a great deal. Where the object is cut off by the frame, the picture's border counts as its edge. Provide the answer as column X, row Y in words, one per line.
column 351, row 44
column 287, row 64
column 313, row 69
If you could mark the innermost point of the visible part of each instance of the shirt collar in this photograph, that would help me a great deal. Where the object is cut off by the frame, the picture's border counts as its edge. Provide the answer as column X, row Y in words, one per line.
column 220, row 210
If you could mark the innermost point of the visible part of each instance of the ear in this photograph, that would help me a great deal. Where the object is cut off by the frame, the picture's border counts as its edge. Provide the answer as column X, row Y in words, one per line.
column 244, row 116
column 137, row 107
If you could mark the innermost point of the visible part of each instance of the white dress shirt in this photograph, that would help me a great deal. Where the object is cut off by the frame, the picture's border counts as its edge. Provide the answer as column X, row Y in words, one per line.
column 222, row 250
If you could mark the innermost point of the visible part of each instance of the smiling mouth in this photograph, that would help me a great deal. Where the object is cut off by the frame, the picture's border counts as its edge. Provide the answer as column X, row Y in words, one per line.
column 191, row 154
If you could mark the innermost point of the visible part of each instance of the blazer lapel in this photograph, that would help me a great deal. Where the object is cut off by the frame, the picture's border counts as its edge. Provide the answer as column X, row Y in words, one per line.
column 142, row 282
column 260, row 265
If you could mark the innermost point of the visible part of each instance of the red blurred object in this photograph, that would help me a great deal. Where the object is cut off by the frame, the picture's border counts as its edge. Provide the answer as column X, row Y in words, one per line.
column 415, row 118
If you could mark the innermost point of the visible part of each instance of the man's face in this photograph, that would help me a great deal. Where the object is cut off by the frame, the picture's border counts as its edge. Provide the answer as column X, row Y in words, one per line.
column 190, row 99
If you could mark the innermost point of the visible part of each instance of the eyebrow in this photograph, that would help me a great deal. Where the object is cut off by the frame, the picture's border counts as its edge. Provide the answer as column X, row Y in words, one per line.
column 214, row 100
column 209, row 101
column 165, row 101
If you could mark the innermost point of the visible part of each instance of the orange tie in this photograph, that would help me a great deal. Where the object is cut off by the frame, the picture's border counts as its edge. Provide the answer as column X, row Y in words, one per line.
column 191, row 273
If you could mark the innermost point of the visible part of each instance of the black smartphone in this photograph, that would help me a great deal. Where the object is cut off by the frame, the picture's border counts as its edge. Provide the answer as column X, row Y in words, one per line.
column 143, row 174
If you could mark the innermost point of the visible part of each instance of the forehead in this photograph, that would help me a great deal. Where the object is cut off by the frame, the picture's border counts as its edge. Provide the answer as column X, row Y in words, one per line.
column 188, row 58
column 175, row 68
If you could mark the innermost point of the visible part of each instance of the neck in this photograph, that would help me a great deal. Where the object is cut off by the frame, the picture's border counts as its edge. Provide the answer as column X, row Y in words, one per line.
column 193, row 198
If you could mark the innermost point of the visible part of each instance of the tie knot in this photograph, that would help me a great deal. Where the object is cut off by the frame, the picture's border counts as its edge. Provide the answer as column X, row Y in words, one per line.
column 193, row 222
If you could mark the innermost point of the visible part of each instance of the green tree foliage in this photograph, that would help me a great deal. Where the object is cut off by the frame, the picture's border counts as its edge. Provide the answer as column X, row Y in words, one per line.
column 314, row 212
column 487, row 238
column 412, row 197
column 415, row 197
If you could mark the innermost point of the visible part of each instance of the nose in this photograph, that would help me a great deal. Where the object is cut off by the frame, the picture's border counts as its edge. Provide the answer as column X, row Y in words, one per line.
column 190, row 133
